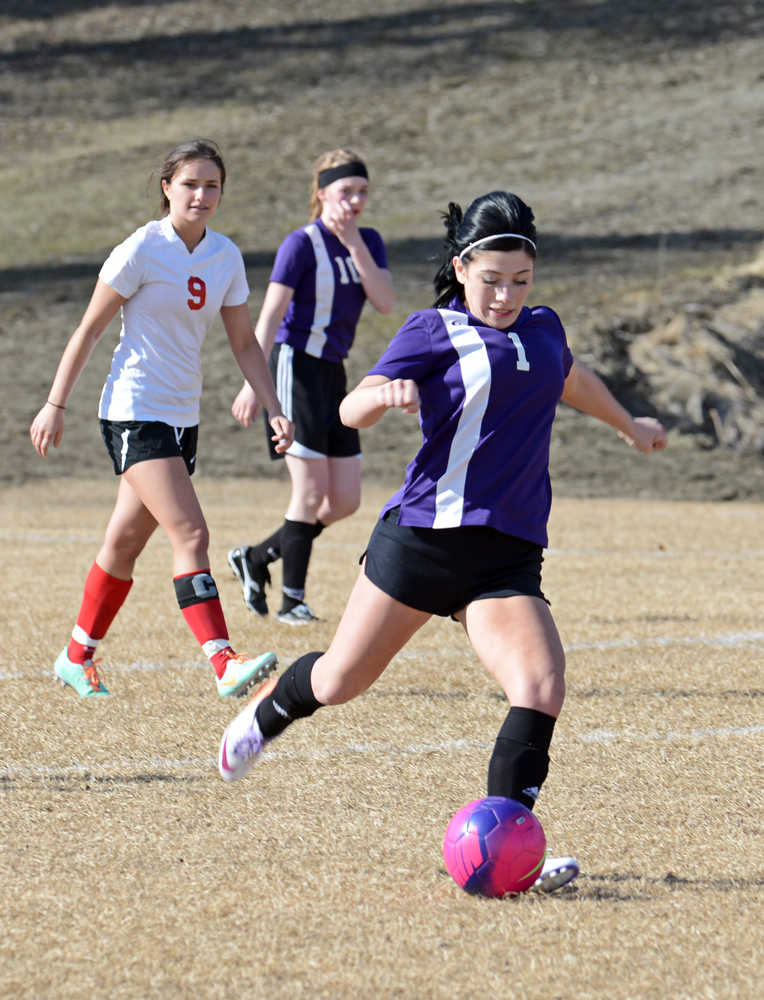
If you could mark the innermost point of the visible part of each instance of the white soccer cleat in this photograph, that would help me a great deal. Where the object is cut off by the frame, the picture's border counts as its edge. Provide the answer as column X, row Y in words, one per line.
column 555, row 873
column 242, row 742
column 300, row 614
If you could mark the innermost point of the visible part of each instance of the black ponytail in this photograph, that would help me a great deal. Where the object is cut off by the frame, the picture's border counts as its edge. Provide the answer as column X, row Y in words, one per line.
column 445, row 281
column 495, row 213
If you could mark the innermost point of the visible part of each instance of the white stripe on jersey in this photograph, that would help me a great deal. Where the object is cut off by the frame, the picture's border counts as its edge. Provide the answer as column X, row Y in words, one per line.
column 475, row 370
column 324, row 293
column 285, row 380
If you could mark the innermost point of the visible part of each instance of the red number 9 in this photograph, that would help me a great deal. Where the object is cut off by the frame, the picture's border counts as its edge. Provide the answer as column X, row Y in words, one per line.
column 198, row 291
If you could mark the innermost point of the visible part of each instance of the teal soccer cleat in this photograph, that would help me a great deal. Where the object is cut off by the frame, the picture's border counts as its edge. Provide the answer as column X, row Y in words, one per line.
column 242, row 673
column 83, row 677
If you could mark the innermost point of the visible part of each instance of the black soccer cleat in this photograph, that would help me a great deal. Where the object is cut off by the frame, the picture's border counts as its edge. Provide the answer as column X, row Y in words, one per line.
column 253, row 576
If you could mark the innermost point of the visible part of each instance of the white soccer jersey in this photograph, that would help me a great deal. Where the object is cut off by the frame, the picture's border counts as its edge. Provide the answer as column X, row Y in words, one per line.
column 173, row 297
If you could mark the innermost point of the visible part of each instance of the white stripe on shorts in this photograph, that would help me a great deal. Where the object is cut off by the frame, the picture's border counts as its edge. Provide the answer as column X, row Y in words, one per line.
column 285, row 380
column 123, row 453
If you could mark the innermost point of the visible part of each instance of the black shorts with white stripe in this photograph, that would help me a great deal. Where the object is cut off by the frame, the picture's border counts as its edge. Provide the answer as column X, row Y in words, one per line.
column 131, row 441
column 310, row 391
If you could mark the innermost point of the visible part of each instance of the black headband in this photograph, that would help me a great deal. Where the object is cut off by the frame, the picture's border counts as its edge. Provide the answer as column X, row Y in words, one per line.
column 353, row 169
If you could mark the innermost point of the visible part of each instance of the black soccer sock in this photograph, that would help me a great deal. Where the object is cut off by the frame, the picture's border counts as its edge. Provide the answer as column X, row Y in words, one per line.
column 291, row 699
column 296, row 546
column 269, row 550
column 520, row 759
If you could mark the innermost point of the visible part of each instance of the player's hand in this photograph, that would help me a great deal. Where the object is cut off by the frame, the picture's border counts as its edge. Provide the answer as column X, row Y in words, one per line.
column 341, row 221
column 245, row 407
column 47, row 429
column 283, row 433
column 647, row 435
column 402, row 393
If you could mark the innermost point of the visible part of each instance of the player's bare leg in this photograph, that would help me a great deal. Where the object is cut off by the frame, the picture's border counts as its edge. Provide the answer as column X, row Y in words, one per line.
column 372, row 630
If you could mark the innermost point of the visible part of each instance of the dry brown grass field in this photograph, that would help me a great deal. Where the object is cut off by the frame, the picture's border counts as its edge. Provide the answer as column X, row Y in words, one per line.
column 130, row 870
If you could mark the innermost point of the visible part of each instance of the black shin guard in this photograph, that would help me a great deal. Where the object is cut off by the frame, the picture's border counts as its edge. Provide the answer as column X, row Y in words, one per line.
column 269, row 550
column 296, row 546
column 520, row 759
column 291, row 699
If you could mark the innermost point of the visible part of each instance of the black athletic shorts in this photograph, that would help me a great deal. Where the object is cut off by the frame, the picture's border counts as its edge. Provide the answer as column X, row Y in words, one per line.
column 132, row 441
column 310, row 391
column 442, row 570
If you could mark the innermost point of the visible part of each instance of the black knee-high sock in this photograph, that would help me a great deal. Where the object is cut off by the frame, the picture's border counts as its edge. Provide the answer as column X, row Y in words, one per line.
column 296, row 547
column 269, row 550
column 291, row 699
column 520, row 759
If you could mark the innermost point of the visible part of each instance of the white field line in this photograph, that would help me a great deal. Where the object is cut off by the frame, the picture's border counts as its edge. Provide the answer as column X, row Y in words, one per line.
column 651, row 553
column 731, row 641
column 53, row 536
column 736, row 639
column 49, row 537
column 99, row 768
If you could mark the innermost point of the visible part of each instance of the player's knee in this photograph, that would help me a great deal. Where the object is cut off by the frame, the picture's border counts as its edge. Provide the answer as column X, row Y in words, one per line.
column 547, row 696
column 350, row 505
column 333, row 686
column 189, row 537
column 342, row 506
column 543, row 690
column 124, row 547
column 307, row 505
column 551, row 693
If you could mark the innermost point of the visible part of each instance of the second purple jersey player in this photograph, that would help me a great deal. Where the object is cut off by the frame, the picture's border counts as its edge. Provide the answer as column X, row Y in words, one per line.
column 323, row 274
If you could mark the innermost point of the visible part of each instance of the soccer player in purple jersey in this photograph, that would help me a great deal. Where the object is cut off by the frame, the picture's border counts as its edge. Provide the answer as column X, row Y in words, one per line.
column 322, row 276
column 170, row 279
column 464, row 535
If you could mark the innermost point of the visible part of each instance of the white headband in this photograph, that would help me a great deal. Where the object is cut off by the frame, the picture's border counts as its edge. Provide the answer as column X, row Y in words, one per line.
column 498, row 236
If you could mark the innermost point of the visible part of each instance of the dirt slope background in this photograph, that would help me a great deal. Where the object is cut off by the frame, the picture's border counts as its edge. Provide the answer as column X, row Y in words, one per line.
column 633, row 128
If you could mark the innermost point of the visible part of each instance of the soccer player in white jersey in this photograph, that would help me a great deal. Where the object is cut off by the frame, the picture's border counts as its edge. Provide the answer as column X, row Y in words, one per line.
column 464, row 535
column 170, row 279
column 323, row 274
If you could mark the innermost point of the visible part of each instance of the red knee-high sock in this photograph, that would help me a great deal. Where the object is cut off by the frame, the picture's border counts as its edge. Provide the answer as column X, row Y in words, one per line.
column 103, row 596
column 198, row 600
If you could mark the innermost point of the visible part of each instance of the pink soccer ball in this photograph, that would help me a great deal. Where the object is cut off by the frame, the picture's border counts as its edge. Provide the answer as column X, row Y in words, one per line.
column 494, row 846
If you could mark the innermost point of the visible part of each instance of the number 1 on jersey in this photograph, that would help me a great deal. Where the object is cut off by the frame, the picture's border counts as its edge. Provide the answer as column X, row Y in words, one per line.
column 523, row 365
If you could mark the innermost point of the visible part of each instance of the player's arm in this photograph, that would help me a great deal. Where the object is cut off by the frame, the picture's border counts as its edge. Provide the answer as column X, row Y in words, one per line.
column 275, row 304
column 250, row 358
column 48, row 426
column 377, row 281
column 273, row 310
column 587, row 392
column 375, row 394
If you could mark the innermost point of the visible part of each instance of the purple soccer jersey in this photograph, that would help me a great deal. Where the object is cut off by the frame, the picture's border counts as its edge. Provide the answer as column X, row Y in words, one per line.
column 328, row 296
column 488, row 400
